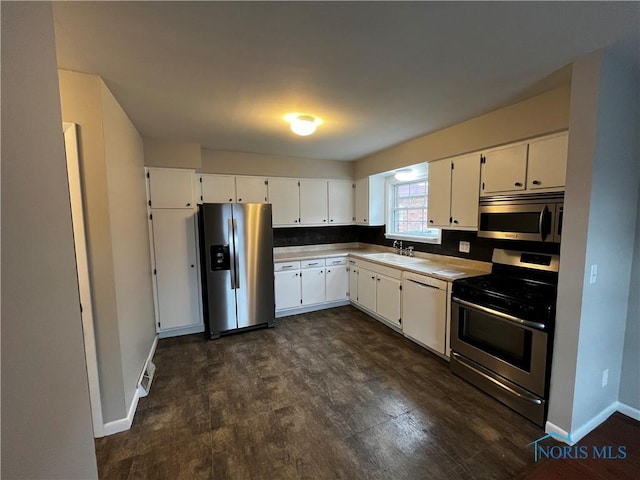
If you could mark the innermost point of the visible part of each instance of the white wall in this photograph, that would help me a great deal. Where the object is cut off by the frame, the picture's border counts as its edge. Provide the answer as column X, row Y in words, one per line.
column 601, row 204
column 46, row 417
column 166, row 153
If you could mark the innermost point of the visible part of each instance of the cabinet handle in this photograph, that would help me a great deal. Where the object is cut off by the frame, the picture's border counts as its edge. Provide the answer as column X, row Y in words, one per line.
column 331, row 220
column 364, row 220
column 286, row 266
column 378, row 279
column 518, row 184
column 430, row 221
column 188, row 204
column 295, row 221
column 324, row 219
column 192, row 266
column 328, row 271
column 373, row 278
column 536, row 182
column 455, row 221
column 231, row 199
column 239, row 199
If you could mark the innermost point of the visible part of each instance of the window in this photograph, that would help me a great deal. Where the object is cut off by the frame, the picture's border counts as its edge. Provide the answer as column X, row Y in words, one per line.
column 407, row 212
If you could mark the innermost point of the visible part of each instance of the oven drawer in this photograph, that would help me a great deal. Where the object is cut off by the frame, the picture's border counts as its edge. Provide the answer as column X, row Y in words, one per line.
column 522, row 401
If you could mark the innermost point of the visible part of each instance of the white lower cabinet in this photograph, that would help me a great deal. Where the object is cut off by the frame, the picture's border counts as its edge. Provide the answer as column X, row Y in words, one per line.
column 424, row 310
column 313, row 287
column 378, row 290
column 175, row 260
column 287, row 285
column 352, row 271
column 336, row 279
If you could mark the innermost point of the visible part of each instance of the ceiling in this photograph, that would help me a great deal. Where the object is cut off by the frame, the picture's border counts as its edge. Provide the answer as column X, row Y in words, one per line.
column 223, row 74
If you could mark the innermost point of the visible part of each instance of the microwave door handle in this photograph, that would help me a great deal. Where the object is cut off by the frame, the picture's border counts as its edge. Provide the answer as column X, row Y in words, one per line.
column 543, row 214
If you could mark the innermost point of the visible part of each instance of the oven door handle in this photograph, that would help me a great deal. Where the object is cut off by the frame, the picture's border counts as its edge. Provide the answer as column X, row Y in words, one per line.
column 537, row 401
column 504, row 316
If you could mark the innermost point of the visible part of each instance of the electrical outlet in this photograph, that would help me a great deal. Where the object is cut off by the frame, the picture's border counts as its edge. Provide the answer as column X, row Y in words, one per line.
column 605, row 377
column 594, row 274
column 464, row 247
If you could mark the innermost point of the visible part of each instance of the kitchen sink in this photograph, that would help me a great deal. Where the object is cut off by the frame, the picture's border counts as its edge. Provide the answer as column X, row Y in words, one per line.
column 394, row 258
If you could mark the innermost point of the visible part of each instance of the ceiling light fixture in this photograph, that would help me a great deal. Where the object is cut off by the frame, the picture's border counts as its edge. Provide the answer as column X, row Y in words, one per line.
column 303, row 125
column 405, row 175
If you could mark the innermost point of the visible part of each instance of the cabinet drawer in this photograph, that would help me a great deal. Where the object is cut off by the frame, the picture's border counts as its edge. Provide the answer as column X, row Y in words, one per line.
column 313, row 263
column 329, row 262
column 282, row 266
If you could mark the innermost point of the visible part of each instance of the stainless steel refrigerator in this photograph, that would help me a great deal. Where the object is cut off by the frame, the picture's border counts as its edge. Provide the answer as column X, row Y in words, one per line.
column 236, row 251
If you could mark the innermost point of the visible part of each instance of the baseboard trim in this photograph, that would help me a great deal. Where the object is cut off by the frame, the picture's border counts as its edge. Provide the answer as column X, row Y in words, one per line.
column 311, row 308
column 124, row 424
column 630, row 412
column 380, row 318
column 583, row 430
column 176, row 332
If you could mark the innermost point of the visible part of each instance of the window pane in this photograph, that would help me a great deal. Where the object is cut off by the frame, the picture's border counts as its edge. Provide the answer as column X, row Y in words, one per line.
column 408, row 212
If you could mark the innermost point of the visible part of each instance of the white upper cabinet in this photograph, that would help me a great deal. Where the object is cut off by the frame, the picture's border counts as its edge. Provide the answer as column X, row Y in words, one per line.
column 170, row 188
column 251, row 190
column 284, row 197
column 454, row 192
column 370, row 201
column 465, row 191
column 341, row 202
column 313, row 202
column 504, row 169
column 439, row 195
column 217, row 188
column 547, row 166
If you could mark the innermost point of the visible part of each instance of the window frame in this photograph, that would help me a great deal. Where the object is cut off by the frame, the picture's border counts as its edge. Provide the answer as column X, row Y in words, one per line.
column 390, row 185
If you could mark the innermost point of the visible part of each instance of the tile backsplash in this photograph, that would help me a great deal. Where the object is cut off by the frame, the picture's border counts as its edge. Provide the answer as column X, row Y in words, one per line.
column 481, row 248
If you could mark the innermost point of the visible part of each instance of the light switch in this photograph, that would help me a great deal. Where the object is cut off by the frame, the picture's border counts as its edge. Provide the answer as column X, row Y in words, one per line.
column 464, row 247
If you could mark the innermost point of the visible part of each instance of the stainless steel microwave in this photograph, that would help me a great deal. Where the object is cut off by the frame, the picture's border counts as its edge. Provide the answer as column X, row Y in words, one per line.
column 536, row 217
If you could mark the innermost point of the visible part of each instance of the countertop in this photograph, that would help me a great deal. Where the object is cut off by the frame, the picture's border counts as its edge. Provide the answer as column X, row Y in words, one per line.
column 432, row 265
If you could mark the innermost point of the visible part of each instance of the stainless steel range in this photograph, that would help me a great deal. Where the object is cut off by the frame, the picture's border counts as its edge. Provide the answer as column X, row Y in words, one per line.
column 502, row 330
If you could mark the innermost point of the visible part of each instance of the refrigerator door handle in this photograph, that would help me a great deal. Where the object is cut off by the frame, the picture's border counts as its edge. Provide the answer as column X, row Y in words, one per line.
column 236, row 265
column 232, row 253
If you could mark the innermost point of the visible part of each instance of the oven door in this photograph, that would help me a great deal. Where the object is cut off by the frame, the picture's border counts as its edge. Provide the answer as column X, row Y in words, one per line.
column 500, row 343
column 527, row 221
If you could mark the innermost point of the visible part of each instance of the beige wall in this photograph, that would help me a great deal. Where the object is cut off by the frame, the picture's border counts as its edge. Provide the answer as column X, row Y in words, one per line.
column 46, row 416
column 242, row 163
column 129, row 239
column 545, row 113
column 164, row 153
column 112, row 174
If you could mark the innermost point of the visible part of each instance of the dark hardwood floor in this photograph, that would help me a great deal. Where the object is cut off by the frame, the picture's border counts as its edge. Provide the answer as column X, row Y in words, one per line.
column 326, row 395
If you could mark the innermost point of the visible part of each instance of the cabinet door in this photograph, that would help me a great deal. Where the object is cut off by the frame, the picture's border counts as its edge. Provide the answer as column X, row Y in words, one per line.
column 287, row 290
column 341, row 202
column 176, row 279
column 547, row 167
column 170, row 188
column 313, row 286
column 336, row 281
column 362, row 201
column 367, row 289
column 218, row 188
column 465, row 191
column 313, row 202
column 388, row 298
column 504, row 170
column 251, row 190
column 424, row 314
column 439, row 196
column 353, row 283
column 285, row 201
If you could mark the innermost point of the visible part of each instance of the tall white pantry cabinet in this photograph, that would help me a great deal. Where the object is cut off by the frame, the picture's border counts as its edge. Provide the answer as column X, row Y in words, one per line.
column 173, row 232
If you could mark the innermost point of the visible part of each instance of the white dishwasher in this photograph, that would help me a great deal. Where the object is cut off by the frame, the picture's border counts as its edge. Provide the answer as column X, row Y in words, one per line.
column 424, row 310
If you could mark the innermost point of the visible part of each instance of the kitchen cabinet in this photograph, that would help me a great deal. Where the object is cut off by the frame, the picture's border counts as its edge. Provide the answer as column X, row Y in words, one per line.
column 538, row 165
column 454, row 192
column 313, row 202
column 341, row 202
column 504, row 169
column 378, row 290
column 424, row 310
column 313, row 285
column 217, row 188
column 336, row 279
column 287, row 285
column 388, row 298
column 170, row 188
column 547, row 163
column 370, row 201
column 352, row 270
column 251, row 190
column 284, row 197
column 176, row 279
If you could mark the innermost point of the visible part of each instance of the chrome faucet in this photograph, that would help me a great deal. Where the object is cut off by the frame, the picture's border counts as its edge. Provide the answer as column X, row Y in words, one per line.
column 397, row 246
column 409, row 252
